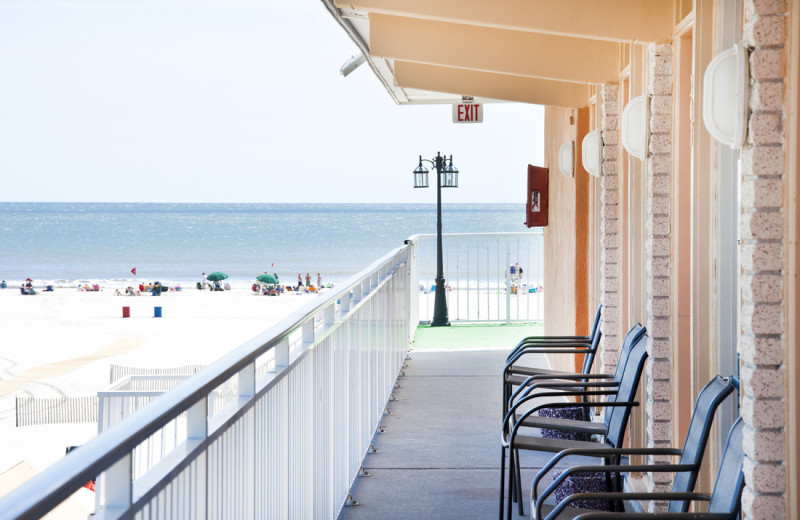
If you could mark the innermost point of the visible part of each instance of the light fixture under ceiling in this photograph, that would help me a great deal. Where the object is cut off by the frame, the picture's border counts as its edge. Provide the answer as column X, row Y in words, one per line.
column 635, row 129
column 592, row 153
column 725, row 96
column 566, row 158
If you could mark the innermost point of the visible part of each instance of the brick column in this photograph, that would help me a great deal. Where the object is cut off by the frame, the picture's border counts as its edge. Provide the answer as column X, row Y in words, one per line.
column 658, row 409
column 609, row 231
column 763, row 343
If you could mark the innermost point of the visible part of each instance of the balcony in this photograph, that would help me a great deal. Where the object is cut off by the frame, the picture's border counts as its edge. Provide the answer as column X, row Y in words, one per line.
column 438, row 456
column 280, row 427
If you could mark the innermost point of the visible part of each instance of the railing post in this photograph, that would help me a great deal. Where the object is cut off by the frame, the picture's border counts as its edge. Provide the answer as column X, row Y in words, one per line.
column 507, row 270
column 281, row 355
column 330, row 315
column 117, row 487
column 308, row 332
column 197, row 430
column 246, row 453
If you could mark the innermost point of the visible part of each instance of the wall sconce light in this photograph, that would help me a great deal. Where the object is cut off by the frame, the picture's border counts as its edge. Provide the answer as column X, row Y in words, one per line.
column 592, row 153
column 635, row 130
column 725, row 96
column 566, row 158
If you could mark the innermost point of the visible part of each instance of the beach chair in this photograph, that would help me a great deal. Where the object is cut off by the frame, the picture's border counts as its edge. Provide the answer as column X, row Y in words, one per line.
column 724, row 502
column 611, row 430
column 691, row 456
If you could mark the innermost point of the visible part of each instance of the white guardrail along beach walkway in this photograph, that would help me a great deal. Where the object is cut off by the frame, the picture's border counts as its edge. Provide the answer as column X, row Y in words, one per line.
column 277, row 428
column 482, row 276
column 288, row 445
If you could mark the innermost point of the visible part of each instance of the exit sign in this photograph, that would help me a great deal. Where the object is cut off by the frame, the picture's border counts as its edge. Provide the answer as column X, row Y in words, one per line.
column 468, row 113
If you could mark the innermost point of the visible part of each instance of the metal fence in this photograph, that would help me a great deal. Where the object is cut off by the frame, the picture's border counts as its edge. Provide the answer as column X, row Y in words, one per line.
column 301, row 403
column 482, row 275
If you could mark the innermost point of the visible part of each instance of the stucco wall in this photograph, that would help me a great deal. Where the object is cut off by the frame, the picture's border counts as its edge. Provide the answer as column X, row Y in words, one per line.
column 559, row 235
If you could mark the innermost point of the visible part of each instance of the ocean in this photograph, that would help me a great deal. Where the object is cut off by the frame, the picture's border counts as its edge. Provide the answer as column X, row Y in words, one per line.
column 65, row 244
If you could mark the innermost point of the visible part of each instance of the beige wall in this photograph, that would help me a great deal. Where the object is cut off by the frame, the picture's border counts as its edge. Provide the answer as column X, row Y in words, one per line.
column 567, row 236
column 559, row 235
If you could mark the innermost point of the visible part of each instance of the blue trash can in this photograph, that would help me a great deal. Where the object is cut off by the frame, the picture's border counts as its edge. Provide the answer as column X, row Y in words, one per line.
column 156, row 312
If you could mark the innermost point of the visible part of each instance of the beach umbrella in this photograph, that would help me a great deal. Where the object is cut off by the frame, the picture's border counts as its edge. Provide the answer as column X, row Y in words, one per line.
column 216, row 276
column 266, row 278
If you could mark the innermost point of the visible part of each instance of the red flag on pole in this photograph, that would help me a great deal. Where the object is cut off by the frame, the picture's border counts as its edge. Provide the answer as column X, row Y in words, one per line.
column 133, row 271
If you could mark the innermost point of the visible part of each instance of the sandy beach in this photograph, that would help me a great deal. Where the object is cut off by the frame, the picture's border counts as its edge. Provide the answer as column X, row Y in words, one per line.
column 62, row 344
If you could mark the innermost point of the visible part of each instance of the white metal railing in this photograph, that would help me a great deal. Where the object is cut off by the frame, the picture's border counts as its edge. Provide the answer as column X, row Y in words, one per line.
column 479, row 278
column 300, row 404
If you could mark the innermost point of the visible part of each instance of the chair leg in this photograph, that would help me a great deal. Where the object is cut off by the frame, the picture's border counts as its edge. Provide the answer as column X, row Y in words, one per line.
column 506, row 396
column 502, row 479
column 512, row 488
column 518, row 484
column 512, row 491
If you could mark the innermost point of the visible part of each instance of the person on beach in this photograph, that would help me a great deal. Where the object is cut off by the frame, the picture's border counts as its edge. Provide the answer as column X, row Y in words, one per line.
column 308, row 280
column 299, row 281
column 203, row 282
column 319, row 281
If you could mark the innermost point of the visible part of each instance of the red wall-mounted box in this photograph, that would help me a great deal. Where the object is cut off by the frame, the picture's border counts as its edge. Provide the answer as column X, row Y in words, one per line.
column 536, row 205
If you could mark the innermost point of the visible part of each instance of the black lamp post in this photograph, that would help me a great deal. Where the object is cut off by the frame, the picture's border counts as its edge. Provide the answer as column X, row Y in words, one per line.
column 446, row 177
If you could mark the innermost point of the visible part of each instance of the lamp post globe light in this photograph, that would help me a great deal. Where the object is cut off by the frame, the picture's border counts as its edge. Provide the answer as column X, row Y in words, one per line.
column 446, row 177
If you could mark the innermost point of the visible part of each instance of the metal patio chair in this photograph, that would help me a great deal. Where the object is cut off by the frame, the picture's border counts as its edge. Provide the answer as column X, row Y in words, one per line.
column 613, row 427
column 691, row 456
column 515, row 374
column 533, row 340
column 724, row 502
column 531, row 383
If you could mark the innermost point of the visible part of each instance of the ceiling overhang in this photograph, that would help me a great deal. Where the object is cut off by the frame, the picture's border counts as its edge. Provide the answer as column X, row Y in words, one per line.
column 614, row 20
column 532, row 51
column 490, row 85
column 489, row 49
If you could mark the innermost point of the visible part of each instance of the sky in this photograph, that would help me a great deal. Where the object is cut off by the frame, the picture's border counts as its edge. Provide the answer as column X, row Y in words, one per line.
column 225, row 101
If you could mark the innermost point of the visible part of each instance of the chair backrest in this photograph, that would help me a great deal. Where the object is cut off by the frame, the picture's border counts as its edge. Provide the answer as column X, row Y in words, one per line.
column 727, row 494
column 617, row 416
column 588, row 358
column 633, row 335
column 596, row 324
column 694, row 447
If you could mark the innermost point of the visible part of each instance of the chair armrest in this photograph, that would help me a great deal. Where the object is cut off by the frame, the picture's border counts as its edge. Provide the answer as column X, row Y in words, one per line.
column 605, row 468
column 512, row 409
column 657, row 516
column 531, row 380
column 567, row 349
column 513, row 434
column 626, row 496
column 576, row 386
column 600, row 452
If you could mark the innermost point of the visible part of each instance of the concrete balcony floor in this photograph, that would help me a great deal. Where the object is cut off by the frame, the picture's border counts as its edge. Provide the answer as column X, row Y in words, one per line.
column 440, row 454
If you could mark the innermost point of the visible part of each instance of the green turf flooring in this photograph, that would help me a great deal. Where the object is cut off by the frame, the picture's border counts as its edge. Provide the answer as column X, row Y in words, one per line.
column 475, row 335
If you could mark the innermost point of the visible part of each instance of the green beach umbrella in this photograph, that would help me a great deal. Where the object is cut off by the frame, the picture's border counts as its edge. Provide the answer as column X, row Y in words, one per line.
column 266, row 278
column 217, row 276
